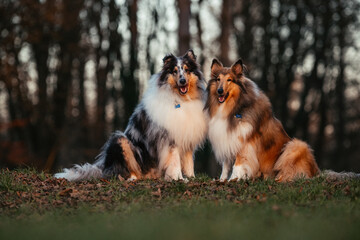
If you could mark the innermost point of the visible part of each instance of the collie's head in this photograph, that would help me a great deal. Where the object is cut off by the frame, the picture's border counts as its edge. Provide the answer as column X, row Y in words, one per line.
column 183, row 75
column 226, row 82
column 229, row 87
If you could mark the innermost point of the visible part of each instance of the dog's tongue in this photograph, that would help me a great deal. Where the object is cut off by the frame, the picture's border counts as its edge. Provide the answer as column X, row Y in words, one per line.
column 183, row 89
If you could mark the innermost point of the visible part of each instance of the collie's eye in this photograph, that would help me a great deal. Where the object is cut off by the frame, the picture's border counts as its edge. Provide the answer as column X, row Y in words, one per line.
column 175, row 72
column 229, row 80
column 218, row 79
column 187, row 70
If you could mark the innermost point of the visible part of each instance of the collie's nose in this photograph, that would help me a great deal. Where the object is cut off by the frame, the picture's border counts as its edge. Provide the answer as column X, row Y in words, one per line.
column 220, row 90
column 182, row 81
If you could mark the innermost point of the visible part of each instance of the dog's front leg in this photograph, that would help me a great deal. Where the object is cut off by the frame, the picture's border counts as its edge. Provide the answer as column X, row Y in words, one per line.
column 187, row 164
column 246, row 164
column 226, row 166
column 170, row 163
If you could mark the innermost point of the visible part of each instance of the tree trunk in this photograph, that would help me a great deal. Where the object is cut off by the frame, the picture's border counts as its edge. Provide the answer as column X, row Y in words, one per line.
column 184, row 28
column 226, row 26
column 130, row 89
column 267, row 46
column 340, row 97
column 41, row 54
column 245, row 39
column 69, row 37
column 290, row 69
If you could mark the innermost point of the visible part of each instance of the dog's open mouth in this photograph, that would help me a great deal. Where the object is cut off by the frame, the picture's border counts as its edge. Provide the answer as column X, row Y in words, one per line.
column 184, row 89
column 223, row 97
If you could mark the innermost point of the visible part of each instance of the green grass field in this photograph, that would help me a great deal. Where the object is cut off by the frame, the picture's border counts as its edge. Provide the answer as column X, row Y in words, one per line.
column 37, row 206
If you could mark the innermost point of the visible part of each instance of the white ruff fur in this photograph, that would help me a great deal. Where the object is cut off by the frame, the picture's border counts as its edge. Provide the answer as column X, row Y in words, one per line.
column 186, row 125
column 227, row 144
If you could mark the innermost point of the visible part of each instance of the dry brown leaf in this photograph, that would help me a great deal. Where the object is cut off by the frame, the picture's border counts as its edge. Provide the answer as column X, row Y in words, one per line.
column 157, row 193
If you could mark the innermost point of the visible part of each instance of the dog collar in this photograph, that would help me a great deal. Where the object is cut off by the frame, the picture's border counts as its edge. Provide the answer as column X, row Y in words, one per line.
column 238, row 115
column 177, row 105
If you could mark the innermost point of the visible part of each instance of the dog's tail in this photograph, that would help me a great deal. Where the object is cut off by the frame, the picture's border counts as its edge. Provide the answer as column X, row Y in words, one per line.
column 82, row 172
column 296, row 161
column 330, row 174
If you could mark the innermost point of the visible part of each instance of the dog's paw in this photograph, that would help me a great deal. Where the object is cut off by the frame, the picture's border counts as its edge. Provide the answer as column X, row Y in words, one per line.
column 222, row 179
column 132, row 178
column 239, row 172
column 189, row 175
column 170, row 178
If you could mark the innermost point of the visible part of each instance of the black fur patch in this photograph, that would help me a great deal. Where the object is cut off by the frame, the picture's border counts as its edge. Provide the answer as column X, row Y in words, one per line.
column 170, row 62
column 210, row 101
column 114, row 159
column 192, row 65
column 140, row 123
column 268, row 143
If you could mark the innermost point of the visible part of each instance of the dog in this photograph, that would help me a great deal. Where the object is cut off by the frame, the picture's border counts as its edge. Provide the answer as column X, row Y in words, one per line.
column 245, row 136
column 165, row 129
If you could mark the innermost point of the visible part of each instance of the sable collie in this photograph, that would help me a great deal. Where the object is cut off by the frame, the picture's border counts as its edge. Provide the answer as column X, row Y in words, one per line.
column 244, row 133
column 163, row 132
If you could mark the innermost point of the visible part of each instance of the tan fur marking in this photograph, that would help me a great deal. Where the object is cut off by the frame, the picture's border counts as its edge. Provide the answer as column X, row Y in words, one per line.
column 193, row 92
column 130, row 160
column 232, row 100
column 187, row 164
column 172, row 165
column 167, row 161
column 172, row 82
column 273, row 137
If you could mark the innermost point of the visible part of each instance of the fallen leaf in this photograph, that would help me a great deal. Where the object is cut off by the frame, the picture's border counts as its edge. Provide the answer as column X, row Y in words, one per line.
column 121, row 178
column 157, row 193
column 75, row 194
column 66, row 192
column 187, row 193
column 104, row 180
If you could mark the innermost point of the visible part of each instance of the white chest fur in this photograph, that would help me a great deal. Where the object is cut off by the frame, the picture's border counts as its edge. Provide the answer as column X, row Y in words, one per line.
column 227, row 143
column 184, row 120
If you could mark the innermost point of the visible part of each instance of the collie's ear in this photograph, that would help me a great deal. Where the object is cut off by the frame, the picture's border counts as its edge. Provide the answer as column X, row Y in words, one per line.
column 237, row 68
column 190, row 54
column 168, row 58
column 216, row 65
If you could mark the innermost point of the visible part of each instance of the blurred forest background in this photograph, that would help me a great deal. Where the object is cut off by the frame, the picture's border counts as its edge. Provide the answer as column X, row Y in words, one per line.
column 72, row 71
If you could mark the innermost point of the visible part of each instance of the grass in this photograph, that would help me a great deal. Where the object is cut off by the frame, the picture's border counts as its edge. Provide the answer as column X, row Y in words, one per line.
column 34, row 205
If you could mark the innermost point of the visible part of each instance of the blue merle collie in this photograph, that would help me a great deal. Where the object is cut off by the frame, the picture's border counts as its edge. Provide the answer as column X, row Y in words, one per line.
column 163, row 132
